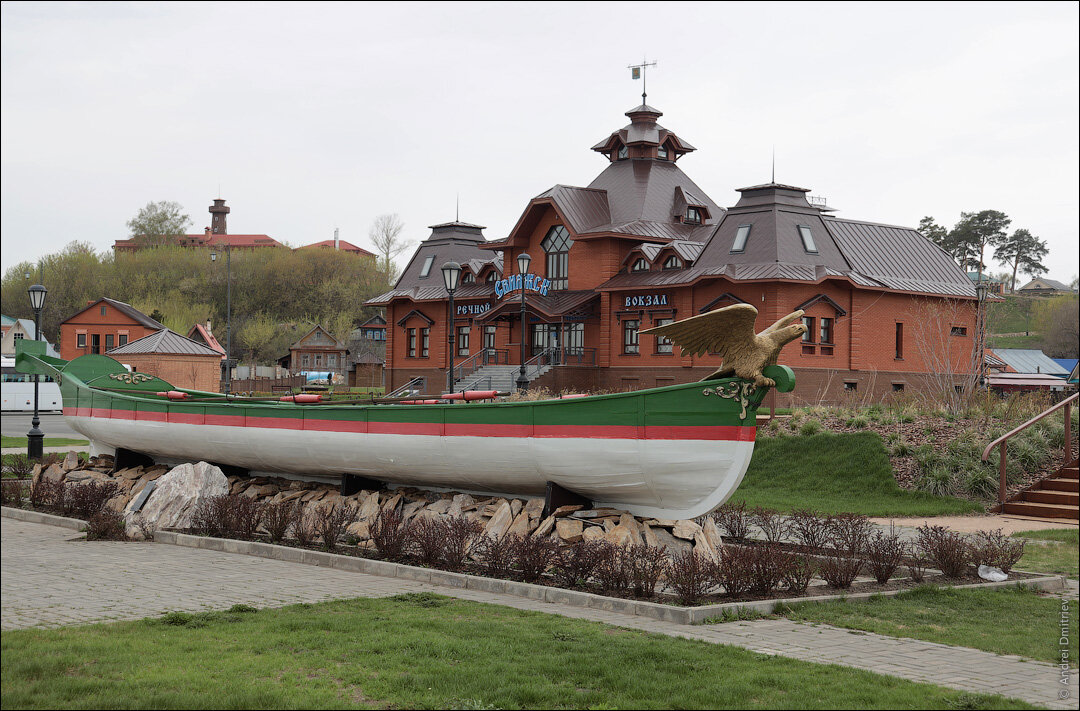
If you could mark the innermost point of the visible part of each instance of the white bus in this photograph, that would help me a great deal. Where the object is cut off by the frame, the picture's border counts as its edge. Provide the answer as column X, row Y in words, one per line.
column 18, row 391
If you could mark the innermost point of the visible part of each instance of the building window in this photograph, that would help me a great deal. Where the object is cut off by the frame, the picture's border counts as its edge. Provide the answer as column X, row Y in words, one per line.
column 19, row 336
column 468, row 278
column 630, row 336
column 741, row 236
column 623, row 153
column 673, row 262
column 663, row 345
column 110, row 341
column 557, row 245
column 95, row 343
column 640, row 265
column 412, row 342
column 662, row 152
column 103, row 309
column 427, row 266
column 574, row 338
column 492, row 276
column 959, row 330
column 899, row 341
column 826, row 334
column 489, row 336
column 318, row 360
column 959, row 389
column 808, row 322
column 305, row 360
column 80, row 340
column 851, row 385
column 693, row 216
column 425, row 341
column 331, row 360
column 807, row 239
column 122, row 339
column 463, row 340
column 898, row 387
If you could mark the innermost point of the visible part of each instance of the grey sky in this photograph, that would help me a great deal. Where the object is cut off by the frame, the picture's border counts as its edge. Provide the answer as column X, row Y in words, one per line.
column 312, row 117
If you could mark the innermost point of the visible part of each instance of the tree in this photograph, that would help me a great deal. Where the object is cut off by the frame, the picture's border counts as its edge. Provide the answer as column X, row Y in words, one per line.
column 385, row 235
column 974, row 232
column 158, row 221
column 935, row 233
column 1057, row 321
column 1023, row 252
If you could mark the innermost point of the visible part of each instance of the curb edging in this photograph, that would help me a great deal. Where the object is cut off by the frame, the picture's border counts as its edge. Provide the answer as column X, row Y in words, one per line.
column 75, row 524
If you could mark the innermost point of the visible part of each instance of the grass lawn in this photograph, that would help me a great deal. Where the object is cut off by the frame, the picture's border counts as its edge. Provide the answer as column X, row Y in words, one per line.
column 421, row 651
column 1033, row 341
column 835, row 473
column 1059, row 554
column 48, row 441
column 1005, row 621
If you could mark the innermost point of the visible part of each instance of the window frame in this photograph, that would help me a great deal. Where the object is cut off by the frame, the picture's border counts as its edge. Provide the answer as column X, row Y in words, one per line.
column 741, row 238
column 556, row 245
column 462, row 340
column 693, row 215
column 410, row 334
column 807, row 237
column 631, row 338
column 672, row 263
column 425, row 342
column 640, row 265
column 80, row 340
column 425, row 270
column 664, row 345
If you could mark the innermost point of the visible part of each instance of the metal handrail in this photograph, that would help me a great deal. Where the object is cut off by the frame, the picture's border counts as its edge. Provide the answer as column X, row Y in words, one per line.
column 411, row 387
column 1003, row 440
column 485, row 356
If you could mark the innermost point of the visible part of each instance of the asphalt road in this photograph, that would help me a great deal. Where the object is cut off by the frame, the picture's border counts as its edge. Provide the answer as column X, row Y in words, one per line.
column 53, row 425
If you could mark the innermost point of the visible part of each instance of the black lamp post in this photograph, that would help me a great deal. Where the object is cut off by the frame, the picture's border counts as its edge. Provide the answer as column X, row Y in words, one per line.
column 35, row 437
column 523, row 268
column 451, row 272
column 228, row 315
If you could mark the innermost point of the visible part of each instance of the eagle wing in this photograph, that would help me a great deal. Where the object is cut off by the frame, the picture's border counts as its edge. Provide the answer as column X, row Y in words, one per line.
column 731, row 327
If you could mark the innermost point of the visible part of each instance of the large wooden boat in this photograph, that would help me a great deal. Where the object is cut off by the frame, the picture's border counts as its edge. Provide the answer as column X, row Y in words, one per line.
column 670, row 452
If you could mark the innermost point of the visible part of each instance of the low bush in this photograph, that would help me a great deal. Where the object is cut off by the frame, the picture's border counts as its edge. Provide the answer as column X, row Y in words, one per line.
column 106, row 525
column 532, row 556
column 244, row 515
column 810, row 427
column 916, row 563
column 838, row 571
column 427, row 540
column 692, row 575
column 11, row 492
column 331, row 522
column 86, row 499
column 461, row 536
column 615, row 572
column 767, row 565
column 849, row 532
column 809, row 528
column 733, row 570
column 731, row 518
column 390, row 533
column 996, row 549
column 304, row 528
column 773, row 525
column 46, row 492
column 18, row 464
column 798, row 572
column 574, row 565
column 947, row 550
column 278, row 518
column 884, row 553
column 647, row 566
column 212, row 516
column 496, row 555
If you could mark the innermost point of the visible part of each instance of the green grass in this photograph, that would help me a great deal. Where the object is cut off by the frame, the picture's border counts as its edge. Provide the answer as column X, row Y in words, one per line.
column 421, row 651
column 835, row 473
column 1012, row 315
column 1060, row 554
column 1033, row 341
column 1005, row 621
column 48, row 441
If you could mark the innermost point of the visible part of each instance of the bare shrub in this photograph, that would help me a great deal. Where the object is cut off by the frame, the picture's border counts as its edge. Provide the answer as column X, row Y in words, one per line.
column 798, row 572
column 916, row 562
column 304, row 527
column 146, row 527
column 390, row 533
column 46, row 492
column 18, row 464
column 647, row 565
column 11, row 492
column 212, row 516
column 809, row 528
column 496, row 555
column 996, row 549
column 461, row 536
column 771, row 523
column 733, row 570
column 615, row 573
column 731, row 518
column 884, row 553
column 575, row 564
column 331, row 522
column 533, row 555
column 849, row 532
column 278, row 518
column 428, row 540
column 948, row 550
column 692, row 575
column 838, row 571
column 245, row 515
column 767, row 567
column 106, row 525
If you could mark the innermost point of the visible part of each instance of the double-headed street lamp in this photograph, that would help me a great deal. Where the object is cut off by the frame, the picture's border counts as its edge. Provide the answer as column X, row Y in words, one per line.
column 35, row 437
column 523, row 268
column 451, row 272
column 228, row 315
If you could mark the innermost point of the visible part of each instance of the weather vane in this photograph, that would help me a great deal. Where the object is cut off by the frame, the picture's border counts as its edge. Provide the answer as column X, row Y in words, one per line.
column 637, row 71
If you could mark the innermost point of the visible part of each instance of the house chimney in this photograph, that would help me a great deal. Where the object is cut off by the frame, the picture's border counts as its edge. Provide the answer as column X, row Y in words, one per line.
column 206, row 231
column 209, row 330
column 218, row 211
column 335, row 238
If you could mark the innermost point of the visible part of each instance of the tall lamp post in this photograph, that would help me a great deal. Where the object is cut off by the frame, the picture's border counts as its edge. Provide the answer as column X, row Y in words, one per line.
column 523, row 269
column 228, row 315
column 451, row 272
column 35, row 437
column 981, row 290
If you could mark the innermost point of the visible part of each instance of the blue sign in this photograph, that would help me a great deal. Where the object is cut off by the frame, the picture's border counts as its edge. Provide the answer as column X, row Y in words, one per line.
column 514, row 282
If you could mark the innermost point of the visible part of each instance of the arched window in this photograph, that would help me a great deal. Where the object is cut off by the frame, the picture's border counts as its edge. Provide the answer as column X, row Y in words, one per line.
column 673, row 262
column 640, row 265
column 557, row 245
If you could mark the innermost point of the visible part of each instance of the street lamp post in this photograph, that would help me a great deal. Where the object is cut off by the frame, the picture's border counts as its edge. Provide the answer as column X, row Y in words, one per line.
column 35, row 437
column 523, row 268
column 228, row 315
column 451, row 272
column 981, row 290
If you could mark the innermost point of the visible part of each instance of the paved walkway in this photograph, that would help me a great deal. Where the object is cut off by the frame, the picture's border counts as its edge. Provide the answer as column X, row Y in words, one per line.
column 48, row 579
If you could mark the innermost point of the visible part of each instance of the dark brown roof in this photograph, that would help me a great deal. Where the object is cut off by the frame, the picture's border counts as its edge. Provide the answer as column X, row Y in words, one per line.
column 556, row 303
column 164, row 342
column 126, row 309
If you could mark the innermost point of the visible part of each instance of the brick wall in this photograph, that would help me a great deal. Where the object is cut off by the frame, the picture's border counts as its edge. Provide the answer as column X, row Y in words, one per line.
column 183, row 371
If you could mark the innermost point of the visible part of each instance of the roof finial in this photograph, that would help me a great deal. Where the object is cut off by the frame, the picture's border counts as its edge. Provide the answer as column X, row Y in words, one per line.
column 637, row 71
column 774, row 164
column 457, row 208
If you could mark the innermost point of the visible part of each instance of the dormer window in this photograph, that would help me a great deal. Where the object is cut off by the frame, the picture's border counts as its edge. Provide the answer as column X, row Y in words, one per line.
column 662, row 152
column 807, row 239
column 623, row 153
column 693, row 216
column 491, row 277
column 741, row 236
column 640, row 265
column 427, row 266
column 673, row 262
column 468, row 278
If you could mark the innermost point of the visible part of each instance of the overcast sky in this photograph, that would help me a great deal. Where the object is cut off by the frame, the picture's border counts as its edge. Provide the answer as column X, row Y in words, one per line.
column 311, row 117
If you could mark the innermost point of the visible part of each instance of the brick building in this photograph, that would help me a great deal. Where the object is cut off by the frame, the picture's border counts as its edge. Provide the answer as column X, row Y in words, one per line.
column 215, row 236
column 103, row 325
column 184, row 362
column 643, row 245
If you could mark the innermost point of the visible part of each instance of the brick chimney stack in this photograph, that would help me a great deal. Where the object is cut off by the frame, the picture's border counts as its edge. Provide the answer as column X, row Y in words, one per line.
column 218, row 211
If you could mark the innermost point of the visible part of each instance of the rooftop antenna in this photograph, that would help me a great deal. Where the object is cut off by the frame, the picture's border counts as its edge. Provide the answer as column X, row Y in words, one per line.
column 637, row 71
column 774, row 163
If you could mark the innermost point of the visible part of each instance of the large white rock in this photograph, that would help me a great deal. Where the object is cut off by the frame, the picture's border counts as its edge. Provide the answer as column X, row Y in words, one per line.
column 177, row 495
